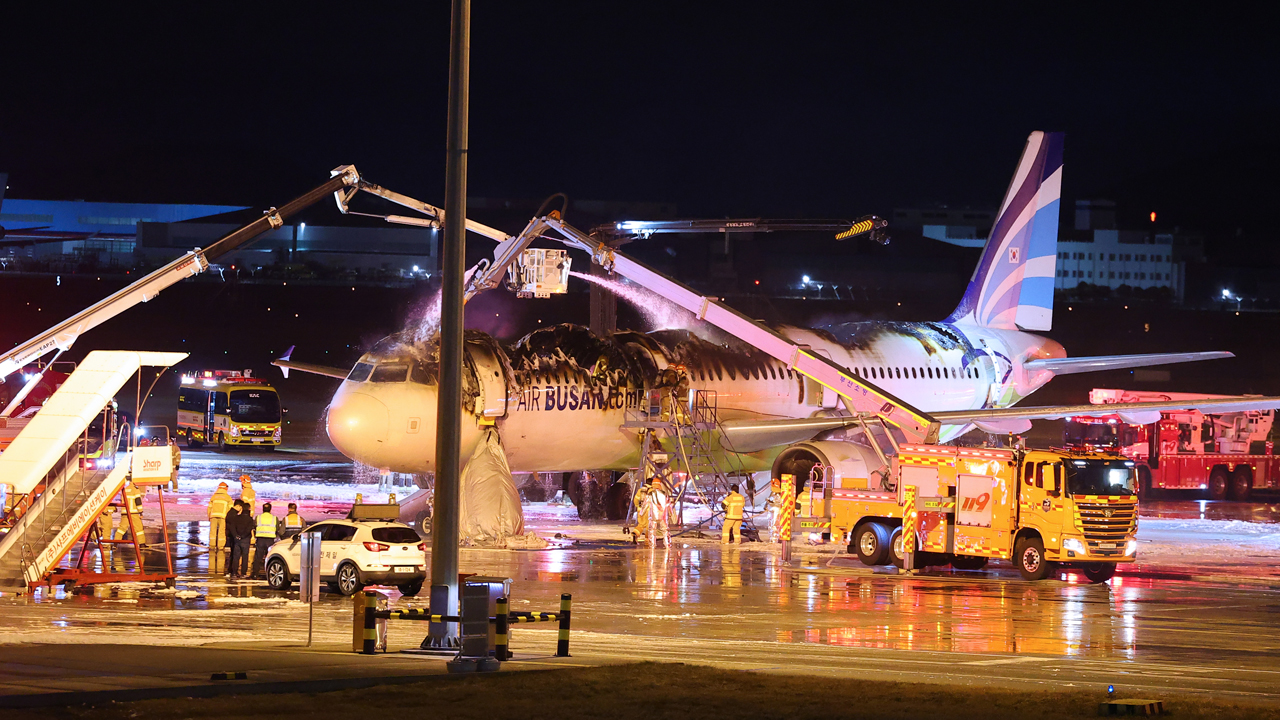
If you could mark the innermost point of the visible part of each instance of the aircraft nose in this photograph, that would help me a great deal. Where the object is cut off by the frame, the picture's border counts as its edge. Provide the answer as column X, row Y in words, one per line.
column 358, row 425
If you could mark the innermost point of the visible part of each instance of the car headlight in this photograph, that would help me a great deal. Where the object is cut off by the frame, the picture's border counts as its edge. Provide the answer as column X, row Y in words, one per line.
column 1073, row 545
column 235, row 431
column 1131, row 548
column 277, row 433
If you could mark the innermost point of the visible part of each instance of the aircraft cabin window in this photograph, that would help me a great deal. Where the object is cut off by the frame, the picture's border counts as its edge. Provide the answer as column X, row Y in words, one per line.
column 360, row 372
column 390, row 373
column 929, row 372
column 755, row 373
column 898, row 373
column 913, row 373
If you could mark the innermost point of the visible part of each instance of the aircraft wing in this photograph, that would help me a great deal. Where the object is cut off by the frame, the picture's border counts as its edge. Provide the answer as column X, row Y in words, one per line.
column 1138, row 413
column 747, row 436
column 1070, row 365
column 285, row 364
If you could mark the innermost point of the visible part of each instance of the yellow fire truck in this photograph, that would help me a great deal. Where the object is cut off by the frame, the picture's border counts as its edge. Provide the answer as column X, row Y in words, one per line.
column 964, row 506
column 228, row 408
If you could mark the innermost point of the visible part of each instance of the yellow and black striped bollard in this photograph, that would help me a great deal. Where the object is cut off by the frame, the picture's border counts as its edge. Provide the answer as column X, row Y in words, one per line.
column 500, row 631
column 370, row 624
column 562, row 644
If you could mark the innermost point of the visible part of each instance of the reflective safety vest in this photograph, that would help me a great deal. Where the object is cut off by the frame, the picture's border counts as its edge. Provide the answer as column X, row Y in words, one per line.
column 133, row 494
column 293, row 521
column 733, row 504
column 219, row 504
column 267, row 524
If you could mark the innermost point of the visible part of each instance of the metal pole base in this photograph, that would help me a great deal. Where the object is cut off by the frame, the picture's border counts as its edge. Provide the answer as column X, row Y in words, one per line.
column 473, row 665
column 442, row 638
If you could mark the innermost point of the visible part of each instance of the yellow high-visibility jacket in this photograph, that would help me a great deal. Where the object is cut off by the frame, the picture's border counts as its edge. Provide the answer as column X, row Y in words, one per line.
column 733, row 504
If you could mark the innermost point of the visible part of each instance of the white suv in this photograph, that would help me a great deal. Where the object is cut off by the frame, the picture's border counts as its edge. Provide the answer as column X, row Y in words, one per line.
column 354, row 554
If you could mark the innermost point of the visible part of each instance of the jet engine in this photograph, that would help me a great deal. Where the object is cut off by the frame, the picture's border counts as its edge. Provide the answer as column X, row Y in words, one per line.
column 850, row 461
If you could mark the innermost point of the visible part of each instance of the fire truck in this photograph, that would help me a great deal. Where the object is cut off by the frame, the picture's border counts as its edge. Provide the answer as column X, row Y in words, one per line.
column 962, row 506
column 228, row 408
column 1224, row 456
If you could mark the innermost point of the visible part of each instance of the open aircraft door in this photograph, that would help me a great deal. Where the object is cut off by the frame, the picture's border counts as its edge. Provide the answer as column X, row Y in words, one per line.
column 492, row 381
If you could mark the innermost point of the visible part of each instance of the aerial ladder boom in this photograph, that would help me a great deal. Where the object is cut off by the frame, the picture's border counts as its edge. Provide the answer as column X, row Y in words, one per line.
column 861, row 398
column 61, row 336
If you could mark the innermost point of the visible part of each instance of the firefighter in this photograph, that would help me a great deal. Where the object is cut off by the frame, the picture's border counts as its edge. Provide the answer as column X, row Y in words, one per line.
column 293, row 522
column 219, row 506
column 733, row 504
column 177, row 461
column 659, row 509
column 247, row 495
column 266, row 532
column 775, row 509
column 133, row 510
column 640, row 502
column 107, row 523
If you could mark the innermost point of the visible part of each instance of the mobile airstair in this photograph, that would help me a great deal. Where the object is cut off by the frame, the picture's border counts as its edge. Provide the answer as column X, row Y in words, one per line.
column 57, row 497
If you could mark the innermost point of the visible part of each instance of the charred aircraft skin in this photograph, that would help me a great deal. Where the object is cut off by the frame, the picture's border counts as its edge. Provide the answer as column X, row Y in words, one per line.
column 560, row 395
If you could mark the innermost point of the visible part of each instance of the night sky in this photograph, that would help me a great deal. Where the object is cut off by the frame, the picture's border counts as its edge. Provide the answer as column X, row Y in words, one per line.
column 775, row 109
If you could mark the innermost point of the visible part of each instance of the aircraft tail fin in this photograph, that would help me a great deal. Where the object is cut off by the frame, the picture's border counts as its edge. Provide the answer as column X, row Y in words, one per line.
column 1012, row 287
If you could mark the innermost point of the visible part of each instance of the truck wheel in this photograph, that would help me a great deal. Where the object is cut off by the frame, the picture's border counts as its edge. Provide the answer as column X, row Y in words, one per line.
column 1145, row 489
column 1099, row 572
column 222, row 443
column 1219, row 480
column 1028, row 556
column 897, row 551
column 1241, row 483
column 278, row 575
column 192, row 442
column 870, row 543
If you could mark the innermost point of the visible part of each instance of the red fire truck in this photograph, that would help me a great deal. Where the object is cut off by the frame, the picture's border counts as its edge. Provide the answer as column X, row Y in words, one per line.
column 1223, row 456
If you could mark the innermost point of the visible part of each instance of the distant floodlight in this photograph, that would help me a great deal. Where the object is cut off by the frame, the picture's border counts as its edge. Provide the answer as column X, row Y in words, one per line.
column 805, row 279
column 1226, row 293
column 140, row 431
column 302, row 226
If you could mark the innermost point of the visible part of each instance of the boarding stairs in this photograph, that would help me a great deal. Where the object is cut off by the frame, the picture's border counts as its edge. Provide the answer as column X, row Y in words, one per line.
column 684, row 435
column 56, row 496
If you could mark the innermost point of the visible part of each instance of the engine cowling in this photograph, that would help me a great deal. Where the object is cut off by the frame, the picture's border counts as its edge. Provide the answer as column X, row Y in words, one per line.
column 851, row 461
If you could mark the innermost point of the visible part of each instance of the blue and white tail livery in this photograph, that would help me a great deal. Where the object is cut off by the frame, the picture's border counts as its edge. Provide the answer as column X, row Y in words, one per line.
column 1012, row 287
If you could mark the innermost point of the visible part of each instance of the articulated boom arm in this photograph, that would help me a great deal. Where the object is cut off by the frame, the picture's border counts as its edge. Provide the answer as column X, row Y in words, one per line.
column 860, row 397
column 63, row 335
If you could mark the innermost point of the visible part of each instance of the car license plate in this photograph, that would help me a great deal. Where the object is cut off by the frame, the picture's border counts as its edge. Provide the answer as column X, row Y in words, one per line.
column 1107, row 546
column 405, row 569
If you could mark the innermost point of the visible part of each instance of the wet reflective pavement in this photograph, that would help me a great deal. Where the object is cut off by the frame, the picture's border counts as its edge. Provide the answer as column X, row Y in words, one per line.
column 743, row 607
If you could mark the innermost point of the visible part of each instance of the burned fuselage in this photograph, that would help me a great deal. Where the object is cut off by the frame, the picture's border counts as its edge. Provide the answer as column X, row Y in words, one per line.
column 561, row 395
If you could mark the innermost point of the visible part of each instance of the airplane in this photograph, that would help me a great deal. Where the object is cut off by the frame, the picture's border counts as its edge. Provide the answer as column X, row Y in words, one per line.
column 560, row 396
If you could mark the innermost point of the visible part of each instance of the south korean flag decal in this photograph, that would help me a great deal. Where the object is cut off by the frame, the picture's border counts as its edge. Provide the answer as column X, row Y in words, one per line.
column 1015, row 255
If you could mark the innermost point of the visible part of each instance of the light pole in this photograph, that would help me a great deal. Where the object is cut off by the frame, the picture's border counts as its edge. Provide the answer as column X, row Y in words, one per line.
column 444, row 525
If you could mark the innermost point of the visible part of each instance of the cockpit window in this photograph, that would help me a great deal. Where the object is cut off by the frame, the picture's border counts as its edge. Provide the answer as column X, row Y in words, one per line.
column 390, row 373
column 360, row 372
column 422, row 374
